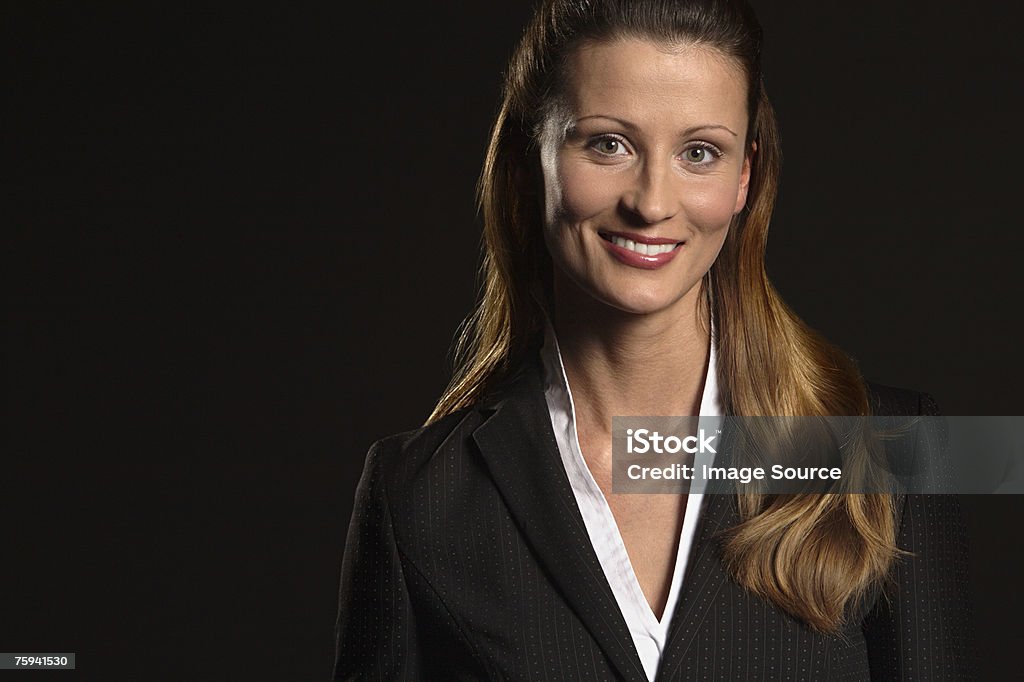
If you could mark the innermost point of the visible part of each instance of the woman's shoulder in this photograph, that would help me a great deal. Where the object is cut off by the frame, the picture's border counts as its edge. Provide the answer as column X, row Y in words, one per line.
column 411, row 447
column 409, row 457
column 897, row 402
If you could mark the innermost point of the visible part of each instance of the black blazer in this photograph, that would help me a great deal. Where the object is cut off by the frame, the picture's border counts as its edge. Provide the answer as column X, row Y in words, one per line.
column 468, row 559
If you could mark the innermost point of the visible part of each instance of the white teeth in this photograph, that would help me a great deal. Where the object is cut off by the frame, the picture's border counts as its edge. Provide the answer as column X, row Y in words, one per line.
column 643, row 249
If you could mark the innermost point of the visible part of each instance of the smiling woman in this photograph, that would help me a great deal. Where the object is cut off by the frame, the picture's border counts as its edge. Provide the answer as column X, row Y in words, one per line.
column 644, row 153
column 626, row 196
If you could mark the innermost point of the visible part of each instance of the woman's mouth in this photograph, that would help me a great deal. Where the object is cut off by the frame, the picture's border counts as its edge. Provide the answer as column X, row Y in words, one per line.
column 640, row 251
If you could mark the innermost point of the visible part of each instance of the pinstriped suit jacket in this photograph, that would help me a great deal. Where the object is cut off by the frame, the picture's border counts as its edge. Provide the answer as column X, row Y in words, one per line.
column 467, row 559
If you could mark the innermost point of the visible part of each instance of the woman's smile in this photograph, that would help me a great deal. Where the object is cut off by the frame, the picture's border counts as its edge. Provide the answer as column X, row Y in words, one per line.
column 640, row 251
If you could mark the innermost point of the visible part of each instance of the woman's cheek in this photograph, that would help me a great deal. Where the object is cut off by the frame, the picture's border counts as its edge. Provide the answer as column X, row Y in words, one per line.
column 712, row 209
column 586, row 191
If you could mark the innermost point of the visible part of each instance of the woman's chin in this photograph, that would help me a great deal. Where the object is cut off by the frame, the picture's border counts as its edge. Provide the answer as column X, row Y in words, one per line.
column 625, row 295
column 645, row 304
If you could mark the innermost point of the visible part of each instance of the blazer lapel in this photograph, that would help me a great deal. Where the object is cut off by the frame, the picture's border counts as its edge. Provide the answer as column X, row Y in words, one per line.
column 519, row 448
column 705, row 576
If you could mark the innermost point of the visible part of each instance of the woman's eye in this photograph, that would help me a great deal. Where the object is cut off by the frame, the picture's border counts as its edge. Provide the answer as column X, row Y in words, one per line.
column 609, row 146
column 696, row 155
column 701, row 155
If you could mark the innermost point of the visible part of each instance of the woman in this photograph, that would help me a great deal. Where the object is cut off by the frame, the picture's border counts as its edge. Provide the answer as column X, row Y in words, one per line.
column 626, row 197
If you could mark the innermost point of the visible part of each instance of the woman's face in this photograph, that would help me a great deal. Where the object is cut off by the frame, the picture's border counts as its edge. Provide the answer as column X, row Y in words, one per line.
column 641, row 189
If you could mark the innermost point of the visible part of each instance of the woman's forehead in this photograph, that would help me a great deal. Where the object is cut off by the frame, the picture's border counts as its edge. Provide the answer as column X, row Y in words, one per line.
column 648, row 79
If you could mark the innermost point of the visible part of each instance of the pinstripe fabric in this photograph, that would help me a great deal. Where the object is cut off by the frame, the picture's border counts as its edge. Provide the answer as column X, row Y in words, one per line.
column 467, row 559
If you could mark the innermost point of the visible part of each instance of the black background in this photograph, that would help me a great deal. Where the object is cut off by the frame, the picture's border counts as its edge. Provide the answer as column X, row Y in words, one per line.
column 238, row 242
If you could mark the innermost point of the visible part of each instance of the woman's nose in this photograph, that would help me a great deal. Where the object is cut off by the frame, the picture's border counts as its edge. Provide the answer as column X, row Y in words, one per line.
column 653, row 196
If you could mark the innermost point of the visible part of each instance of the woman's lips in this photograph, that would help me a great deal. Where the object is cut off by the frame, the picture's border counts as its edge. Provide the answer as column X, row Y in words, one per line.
column 640, row 251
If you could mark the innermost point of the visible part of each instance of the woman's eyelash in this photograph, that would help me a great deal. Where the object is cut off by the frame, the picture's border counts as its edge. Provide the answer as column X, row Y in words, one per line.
column 606, row 138
column 715, row 151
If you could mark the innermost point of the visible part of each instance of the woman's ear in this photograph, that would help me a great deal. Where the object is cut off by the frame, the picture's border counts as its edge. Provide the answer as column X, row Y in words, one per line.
column 529, row 182
column 741, row 195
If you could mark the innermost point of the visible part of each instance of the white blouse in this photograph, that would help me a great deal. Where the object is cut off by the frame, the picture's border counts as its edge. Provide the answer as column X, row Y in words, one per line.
column 649, row 634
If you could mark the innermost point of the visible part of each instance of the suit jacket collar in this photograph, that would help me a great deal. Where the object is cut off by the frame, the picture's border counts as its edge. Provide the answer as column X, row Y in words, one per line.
column 705, row 576
column 520, row 451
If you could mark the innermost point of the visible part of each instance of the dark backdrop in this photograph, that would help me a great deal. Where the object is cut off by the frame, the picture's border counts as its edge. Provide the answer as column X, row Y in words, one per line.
column 238, row 242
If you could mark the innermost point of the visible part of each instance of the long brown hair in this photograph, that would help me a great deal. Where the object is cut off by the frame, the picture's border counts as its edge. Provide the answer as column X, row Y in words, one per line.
column 813, row 555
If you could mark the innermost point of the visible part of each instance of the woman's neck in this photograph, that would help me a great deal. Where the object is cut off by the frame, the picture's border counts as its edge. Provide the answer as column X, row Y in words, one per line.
column 627, row 364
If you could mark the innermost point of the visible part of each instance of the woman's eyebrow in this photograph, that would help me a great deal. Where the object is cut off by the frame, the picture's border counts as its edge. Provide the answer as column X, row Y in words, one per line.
column 689, row 131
